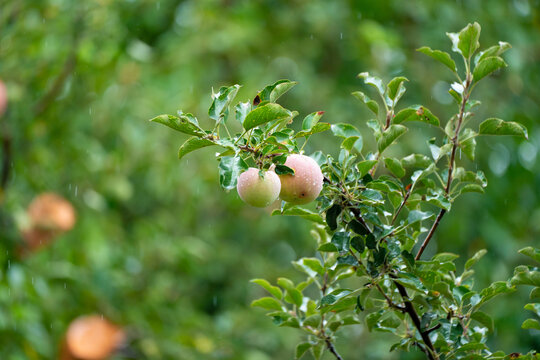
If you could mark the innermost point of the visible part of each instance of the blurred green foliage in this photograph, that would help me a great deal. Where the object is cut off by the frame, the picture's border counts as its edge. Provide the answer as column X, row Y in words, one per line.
column 158, row 247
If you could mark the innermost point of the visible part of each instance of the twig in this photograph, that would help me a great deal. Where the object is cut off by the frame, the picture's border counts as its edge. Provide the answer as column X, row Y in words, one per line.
column 450, row 165
column 409, row 309
column 430, row 234
column 332, row 349
column 402, row 204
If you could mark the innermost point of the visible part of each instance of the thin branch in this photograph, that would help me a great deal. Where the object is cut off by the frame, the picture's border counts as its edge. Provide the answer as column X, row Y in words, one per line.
column 430, row 234
column 332, row 349
column 402, row 204
column 455, row 144
column 409, row 309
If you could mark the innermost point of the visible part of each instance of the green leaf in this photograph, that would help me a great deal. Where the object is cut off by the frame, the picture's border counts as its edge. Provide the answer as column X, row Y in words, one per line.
column 357, row 243
column 345, row 130
column 523, row 276
column 341, row 241
column 185, row 123
column 534, row 307
column 365, row 166
column 230, row 168
column 283, row 170
column 440, row 56
column 350, row 142
column 494, row 126
column 319, row 127
column 417, row 215
column 294, row 296
column 327, row 247
column 487, row 66
column 193, row 144
column 241, row 110
column 331, row 216
column 483, row 319
column 374, row 81
column 531, row 324
column 532, row 253
column 471, row 188
column 221, row 101
column 264, row 114
column 273, row 290
column 394, row 165
column 371, row 104
column 301, row 349
column 333, row 297
column 411, row 282
column 272, row 92
column 389, row 136
column 393, row 89
column 358, row 227
column 466, row 41
column 416, row 113
column 294, row 210
column 497, row 288
column 467, row 142
column 311, row 120
column 475, row 258
column 267, row 303
column 495, row 50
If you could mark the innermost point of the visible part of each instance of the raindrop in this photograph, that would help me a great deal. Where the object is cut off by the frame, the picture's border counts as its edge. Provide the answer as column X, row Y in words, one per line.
column 32, row 280
column 9, row 264
column 64, row 285
column 214, row 300
column 158, row 5
column 311, row 36
column 341, row 36
column 76, row 190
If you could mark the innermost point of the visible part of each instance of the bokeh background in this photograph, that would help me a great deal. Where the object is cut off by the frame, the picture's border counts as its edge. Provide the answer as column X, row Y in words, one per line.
column 158, row 247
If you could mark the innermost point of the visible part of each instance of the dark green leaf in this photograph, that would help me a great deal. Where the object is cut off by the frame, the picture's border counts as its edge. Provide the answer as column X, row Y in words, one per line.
column 332, row 215
column 334, row 296
column 350, row 142
column 365, row 166
column 264, row 114
column 357, row 243
column 440, row 56
column 487, row 66
column 341, row 240
column 371, row 242
column 494, row 126
column 283, row 170
column 347, row 260
column 358, row 227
